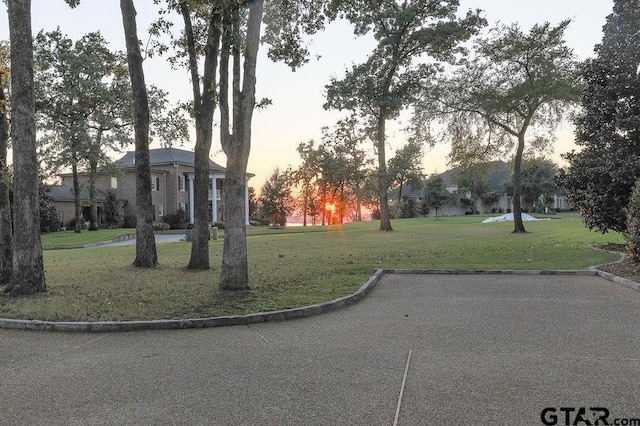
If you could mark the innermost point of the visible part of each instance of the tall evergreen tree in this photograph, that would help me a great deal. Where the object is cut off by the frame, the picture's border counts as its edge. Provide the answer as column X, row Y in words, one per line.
column 602, row 174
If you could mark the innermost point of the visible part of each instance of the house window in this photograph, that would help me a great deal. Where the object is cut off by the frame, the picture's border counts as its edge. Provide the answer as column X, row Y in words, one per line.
column 160, row 211
column 182, row 206
column 181, row 184
column 155, row 183
column 114, row 182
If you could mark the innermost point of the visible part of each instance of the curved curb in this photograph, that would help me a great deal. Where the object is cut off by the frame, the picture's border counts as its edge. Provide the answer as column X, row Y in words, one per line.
column 285, row 314
column 593, row 271
column 113, row 326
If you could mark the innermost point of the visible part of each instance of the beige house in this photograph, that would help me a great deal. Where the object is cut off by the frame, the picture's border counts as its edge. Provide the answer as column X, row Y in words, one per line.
column 172, row 176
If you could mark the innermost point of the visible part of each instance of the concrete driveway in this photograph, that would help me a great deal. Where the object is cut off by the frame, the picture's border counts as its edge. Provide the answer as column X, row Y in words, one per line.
column 484, row 350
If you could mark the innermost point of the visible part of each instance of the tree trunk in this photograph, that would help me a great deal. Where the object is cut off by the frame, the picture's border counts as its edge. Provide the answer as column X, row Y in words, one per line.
column 200, row 246
column 385, row 215
column 518, row 225
column 305, row 204
column 76, row 196
column 6, row 232
column 397, row 215
column 204, row 105
column 94, row 224
column 28, row 268
column 474, row 200
column 146, row 254
column 235, row 267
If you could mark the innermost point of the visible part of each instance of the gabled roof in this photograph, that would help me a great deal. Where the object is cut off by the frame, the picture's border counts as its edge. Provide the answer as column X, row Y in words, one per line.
column 65, row 193
column 162, row 156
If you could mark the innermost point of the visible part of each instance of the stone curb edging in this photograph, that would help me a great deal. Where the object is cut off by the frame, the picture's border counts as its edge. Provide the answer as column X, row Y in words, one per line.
column 593, row 271
column 113, row 326
column 285, row 314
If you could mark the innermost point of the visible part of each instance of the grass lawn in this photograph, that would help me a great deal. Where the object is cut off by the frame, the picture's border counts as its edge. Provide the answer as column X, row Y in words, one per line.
column 70, row 238
column 295, row 266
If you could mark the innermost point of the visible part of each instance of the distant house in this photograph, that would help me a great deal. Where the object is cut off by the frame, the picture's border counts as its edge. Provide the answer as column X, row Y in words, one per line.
column 497, row 174
column 64, row 203
column 172, row 176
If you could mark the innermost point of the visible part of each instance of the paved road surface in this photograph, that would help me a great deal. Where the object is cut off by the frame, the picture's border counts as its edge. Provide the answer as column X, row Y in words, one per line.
column 485, row 350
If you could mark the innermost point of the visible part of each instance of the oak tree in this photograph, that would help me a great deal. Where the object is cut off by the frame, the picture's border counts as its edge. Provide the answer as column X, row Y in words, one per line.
column 27, row 275
column 410, row 34
column 515, row 89
column 146, row 253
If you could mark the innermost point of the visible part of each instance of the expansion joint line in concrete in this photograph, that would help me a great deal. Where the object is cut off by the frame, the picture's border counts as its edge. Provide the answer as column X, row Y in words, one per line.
column 258, row 334
column 404, row 382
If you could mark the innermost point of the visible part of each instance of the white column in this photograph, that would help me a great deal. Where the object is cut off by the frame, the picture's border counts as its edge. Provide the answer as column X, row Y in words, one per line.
column 214, row 199
column 191, row 204
column 246, row 202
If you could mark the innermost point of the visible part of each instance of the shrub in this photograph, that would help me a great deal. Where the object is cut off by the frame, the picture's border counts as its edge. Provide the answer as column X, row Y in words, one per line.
column 255, row 223
column 130, row 221
column 632, row 233
column 72, row 224
column 160, row 226
column 49, row 221
column 219, row 225
column 113, row 209
column 408, row 208
column 177, row 220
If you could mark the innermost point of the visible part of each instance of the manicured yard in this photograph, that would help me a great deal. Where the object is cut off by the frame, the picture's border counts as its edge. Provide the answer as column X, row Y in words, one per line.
column 295, row 266
column 70, row 238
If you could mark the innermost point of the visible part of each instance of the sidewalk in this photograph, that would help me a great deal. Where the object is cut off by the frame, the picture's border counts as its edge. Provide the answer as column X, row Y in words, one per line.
column 485, row 349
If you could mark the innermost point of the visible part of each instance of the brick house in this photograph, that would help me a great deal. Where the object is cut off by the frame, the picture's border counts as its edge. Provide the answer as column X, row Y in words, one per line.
column 172, row 176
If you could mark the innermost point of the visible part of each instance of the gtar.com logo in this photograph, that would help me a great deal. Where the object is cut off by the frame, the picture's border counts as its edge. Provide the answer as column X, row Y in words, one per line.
column 585, row 416
column 592, row 416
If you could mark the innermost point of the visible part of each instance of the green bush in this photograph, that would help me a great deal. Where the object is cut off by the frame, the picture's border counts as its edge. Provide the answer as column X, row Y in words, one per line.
column 160, row 226
column 130, row 221
column 177, row 220
column 72, row 224
column 632, row 233
column 219, row 225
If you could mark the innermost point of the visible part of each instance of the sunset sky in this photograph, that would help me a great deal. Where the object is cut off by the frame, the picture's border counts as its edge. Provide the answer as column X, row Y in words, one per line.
column 297, row 114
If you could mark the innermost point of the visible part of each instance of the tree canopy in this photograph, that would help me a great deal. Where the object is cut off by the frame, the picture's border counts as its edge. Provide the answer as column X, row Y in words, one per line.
column 604, row 171
column 276, row 202
column 512, row 92
column 405, row 168
column 410, row 35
